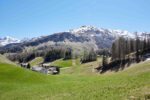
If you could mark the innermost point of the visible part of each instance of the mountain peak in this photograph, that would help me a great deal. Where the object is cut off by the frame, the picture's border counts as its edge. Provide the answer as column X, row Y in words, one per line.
column 84, row 29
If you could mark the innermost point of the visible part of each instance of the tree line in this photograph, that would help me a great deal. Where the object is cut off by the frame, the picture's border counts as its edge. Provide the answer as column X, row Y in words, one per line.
column 53, row 53
column 88, row 56
column 49, row 54
column 127, row 50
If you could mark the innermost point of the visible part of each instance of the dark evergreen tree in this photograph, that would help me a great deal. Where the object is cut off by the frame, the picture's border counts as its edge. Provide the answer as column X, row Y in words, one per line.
column 68, row 54
column 105, row 59
column 137, row 47
column 89, row 56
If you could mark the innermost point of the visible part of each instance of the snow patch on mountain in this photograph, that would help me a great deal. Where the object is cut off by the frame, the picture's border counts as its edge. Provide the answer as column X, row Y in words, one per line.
column 84, row 29
column 8, row 40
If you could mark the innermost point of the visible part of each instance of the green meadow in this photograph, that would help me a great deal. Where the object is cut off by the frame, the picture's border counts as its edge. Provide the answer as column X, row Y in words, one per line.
column 77, row 82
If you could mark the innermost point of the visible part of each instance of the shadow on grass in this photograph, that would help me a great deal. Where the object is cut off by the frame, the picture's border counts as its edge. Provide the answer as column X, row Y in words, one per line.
column 116, row 65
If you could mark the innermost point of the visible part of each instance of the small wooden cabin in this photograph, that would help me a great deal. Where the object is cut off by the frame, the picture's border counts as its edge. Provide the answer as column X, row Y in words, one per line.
column 25, row 65
column 47, row 70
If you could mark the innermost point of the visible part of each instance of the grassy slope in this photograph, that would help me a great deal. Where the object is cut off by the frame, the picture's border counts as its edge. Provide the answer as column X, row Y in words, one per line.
column 18, row 83
column 82, row 69
column 65, row 63
column 3, row 59
column 36, row 61
column 62, row 63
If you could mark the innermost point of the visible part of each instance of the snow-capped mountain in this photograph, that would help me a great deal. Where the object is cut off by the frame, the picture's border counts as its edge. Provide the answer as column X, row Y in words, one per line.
column 93, row 31
column 8, row 40
column 82, row 37
column 100, row 36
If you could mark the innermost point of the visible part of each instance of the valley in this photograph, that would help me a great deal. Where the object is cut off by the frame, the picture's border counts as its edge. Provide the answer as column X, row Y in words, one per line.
column 75, row 82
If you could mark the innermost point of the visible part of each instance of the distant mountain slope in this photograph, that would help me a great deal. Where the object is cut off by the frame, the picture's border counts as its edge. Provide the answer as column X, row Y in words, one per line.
column 85, row 36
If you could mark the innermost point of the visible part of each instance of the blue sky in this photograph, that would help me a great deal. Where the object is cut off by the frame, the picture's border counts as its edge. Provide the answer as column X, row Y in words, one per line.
column 32, row 18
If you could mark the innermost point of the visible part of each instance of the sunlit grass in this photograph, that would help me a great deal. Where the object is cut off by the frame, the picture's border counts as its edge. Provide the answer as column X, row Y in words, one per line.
column 36, row 61
column 62, row 63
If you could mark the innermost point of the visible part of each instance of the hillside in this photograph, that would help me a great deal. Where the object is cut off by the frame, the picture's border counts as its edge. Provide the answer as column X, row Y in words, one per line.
column 3, row 59
column 62, row 63
column 36, row 61
column 132, row 83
